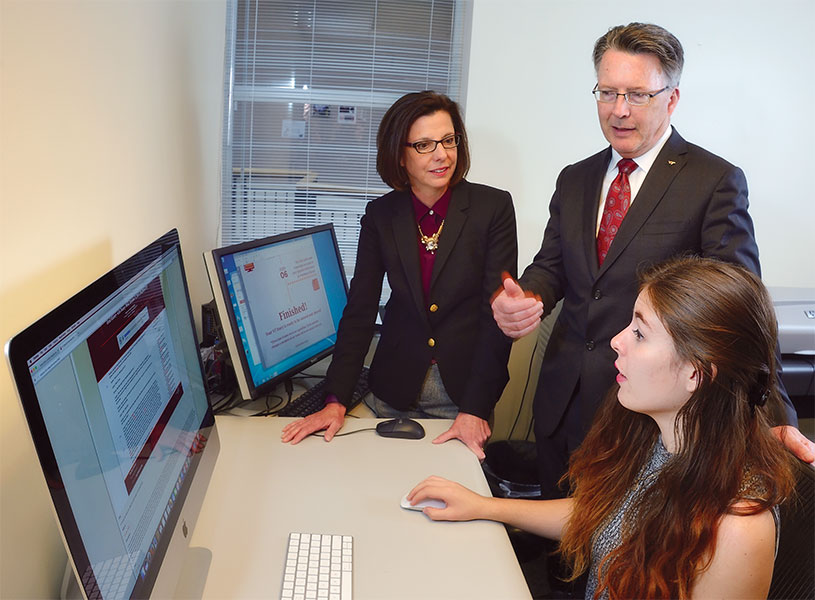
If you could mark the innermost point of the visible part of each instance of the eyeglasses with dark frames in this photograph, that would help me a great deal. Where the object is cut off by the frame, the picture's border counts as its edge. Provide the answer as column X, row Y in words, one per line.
column 427, row 146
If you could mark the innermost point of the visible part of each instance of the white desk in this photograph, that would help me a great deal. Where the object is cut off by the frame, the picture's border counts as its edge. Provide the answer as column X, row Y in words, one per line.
column 262, row 489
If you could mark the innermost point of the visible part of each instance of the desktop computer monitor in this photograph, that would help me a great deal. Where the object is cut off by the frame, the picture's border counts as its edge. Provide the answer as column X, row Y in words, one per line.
column 112, row 388
column 279, row 300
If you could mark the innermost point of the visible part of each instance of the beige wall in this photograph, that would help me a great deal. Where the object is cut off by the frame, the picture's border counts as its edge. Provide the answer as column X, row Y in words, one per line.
column 110, row 133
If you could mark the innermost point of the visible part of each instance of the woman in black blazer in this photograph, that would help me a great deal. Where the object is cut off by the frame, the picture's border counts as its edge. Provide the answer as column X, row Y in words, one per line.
column 443, row 243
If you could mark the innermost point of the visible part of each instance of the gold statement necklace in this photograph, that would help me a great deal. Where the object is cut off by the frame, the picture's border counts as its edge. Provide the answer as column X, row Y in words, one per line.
column 431, row 242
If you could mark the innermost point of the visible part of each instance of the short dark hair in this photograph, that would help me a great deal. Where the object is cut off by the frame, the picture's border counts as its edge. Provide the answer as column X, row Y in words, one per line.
column 644, row 38
column 393, row 131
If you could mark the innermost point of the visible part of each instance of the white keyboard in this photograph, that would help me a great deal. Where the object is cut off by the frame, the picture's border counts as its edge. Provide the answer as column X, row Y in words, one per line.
column 318, row 567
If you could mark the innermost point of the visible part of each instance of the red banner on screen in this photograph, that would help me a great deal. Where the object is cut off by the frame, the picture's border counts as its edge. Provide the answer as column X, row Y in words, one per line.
column 103, row 344
column 152, row 440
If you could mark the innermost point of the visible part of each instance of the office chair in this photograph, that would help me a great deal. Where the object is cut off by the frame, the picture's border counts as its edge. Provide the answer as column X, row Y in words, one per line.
column 794, row 571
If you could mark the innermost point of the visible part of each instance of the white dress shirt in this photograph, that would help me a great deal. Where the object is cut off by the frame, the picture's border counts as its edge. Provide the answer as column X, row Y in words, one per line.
column 635, row 178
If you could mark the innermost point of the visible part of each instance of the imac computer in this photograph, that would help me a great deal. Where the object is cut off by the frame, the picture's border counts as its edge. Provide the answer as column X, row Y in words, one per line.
column 279, row 300
column 112, row 388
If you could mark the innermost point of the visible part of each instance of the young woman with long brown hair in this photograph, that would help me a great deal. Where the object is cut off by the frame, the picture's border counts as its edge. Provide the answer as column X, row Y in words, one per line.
column 673, row 491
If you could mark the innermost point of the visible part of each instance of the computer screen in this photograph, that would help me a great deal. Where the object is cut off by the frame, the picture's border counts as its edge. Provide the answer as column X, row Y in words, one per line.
column 280, row 300
column 112, row 388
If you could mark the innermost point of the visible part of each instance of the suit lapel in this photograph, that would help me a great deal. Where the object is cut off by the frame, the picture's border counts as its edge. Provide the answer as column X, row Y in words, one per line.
column 670, row 161
column 453, row 224
column 590, row 207
column 404, row 234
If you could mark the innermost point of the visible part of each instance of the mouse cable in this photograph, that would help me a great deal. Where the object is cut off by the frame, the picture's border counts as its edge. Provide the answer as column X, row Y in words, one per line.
column 269, row 407
column 322, row 434
column 523, row 395
column 270, row 410
column 273, row 410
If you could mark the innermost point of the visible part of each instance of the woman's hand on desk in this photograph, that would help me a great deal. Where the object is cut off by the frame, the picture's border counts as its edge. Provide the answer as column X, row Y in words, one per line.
column 471, row 430
column 329, row 418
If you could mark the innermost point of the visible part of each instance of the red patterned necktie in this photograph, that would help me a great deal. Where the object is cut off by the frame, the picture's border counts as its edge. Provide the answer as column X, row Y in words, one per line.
column 617, row 203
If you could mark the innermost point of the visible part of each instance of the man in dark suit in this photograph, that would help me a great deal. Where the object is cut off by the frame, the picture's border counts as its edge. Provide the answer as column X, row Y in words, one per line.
column 608, row 218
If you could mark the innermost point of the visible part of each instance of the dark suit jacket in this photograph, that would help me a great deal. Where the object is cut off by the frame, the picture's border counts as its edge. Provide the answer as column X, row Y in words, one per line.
column 691, row 201
column 478, row 242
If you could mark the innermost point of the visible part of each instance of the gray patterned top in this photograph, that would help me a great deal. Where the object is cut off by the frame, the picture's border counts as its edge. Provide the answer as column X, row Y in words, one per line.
column 609, row 536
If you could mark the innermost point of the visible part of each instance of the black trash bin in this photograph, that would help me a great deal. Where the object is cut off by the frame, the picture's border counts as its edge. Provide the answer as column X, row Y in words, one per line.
column 511, row 470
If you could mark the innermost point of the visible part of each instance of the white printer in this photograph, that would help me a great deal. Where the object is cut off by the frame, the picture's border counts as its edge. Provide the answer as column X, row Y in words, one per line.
column 795, row 311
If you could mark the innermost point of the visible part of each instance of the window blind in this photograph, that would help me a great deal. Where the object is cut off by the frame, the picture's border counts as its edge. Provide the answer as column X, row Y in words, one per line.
column 307, row 83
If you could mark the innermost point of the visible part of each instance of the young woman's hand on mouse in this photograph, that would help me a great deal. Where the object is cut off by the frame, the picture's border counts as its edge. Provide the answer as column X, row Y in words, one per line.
column 462, row 503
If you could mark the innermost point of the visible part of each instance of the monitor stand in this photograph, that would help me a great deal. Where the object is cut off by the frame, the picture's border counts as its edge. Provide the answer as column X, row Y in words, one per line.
column 179, row 559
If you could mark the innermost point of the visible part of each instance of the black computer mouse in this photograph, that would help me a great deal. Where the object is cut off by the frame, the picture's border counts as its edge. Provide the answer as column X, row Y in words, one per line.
column 401, row 428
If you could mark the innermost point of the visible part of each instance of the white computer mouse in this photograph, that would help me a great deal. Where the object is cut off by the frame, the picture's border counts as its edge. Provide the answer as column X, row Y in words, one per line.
column 431, row 502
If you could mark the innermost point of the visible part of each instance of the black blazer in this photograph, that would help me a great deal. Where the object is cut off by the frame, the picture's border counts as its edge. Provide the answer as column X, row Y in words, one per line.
column 691, row 201
column 454, row 325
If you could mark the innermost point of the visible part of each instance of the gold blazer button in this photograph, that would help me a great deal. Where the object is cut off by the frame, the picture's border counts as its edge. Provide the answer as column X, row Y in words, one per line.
column 431, row 342
column 434, row 307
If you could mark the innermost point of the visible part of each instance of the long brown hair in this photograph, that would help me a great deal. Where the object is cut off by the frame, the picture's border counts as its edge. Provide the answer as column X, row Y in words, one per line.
column 721, row 321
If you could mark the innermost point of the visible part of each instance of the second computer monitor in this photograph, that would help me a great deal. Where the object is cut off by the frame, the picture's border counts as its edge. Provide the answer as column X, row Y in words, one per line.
column 280, row 300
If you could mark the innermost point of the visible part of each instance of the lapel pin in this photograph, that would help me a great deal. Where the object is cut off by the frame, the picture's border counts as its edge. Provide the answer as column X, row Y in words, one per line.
column 672, row 162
